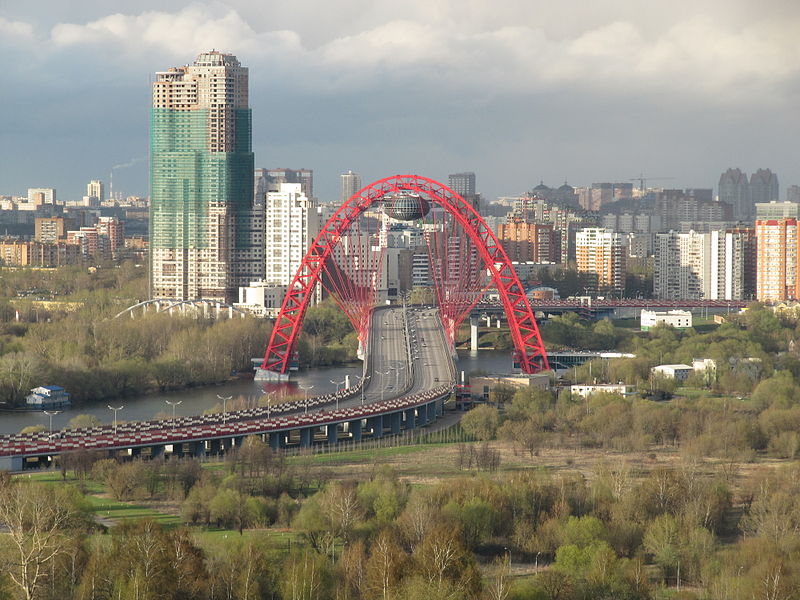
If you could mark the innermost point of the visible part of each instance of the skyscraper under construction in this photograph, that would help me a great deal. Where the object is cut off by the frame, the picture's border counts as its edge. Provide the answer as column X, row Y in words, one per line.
column 206, row 234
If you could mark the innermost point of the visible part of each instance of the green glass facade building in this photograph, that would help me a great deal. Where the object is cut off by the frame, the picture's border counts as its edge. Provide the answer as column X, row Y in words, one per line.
column 206, row 236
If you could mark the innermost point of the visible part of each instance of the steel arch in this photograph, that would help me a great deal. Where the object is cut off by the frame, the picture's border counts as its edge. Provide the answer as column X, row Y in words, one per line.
column 524, row 330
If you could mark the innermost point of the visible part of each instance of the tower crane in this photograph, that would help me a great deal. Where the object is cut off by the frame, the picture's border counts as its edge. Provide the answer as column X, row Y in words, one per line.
column 642, row 179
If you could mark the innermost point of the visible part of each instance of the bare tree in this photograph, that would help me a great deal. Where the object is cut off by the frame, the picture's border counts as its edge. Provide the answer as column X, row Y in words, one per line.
column 37, row 520
column 499, row 586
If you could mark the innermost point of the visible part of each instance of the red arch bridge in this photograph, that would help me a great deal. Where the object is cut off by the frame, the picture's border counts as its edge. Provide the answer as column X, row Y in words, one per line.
column 347, row 257
column 408, row 366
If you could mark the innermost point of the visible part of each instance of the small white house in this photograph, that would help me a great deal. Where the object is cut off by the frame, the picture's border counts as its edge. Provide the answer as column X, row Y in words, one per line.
column 584, row 391
column 679, row 319
column 677, row 372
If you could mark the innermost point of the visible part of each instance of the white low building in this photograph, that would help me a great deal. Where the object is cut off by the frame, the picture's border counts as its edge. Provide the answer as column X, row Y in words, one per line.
column 679, row 319
column 261, row 299
column 677, row 372
column 584, row 391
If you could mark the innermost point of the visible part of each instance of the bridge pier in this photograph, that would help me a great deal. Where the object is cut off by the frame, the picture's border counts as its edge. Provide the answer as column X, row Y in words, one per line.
column 177, row 450
column 197, row 448
column 215, row 446
column 267, row 375
column 473, row 332
column 376, row 425
column 333, row 434
column 277, row 440
column 431, row 412
column 157, row 451
column 306, row 437
column 11, row 463
column 411, row 418
column 397, row 422
column 355, row 429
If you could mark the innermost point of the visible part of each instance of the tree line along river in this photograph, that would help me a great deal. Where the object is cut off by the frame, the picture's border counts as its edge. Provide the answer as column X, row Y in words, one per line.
column 196, row 400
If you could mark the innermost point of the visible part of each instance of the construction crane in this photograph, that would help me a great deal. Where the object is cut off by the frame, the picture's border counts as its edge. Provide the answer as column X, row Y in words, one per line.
column 643, row 180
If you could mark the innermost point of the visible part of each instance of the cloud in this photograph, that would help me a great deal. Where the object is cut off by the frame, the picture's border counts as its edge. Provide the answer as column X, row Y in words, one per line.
column 694, row 56
column 15, row 29
column 332, row 81
column 192, row 29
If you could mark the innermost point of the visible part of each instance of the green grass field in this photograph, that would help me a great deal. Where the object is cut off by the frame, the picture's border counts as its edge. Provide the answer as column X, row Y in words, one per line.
column 106, row 508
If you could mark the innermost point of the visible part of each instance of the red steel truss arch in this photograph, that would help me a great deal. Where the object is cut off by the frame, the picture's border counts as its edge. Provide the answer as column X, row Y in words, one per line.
column 528, row 343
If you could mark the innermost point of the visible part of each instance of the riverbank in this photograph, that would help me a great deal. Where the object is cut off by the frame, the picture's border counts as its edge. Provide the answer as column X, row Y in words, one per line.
column 199, row 399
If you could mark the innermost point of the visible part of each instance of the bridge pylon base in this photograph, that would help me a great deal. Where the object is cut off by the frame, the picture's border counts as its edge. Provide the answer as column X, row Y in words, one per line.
column 267, row 375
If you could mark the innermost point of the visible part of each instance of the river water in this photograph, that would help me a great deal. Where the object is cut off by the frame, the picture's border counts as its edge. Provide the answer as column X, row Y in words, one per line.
column 195, row 401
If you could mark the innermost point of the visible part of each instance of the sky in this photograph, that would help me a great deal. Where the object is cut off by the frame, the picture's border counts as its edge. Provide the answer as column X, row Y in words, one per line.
column 518, row 91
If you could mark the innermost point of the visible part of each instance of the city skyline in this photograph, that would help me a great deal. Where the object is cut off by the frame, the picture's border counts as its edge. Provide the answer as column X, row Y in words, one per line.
column 585, row 94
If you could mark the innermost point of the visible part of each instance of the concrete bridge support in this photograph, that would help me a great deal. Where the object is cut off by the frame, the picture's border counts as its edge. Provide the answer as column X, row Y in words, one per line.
column 306, row 437
column 376, row 425
column 355, row 429
column 422, row 416
column 397, row 422
column 197, row 448
column 333, row 434
column 157, row 451
column 431, row 412
column 277, row 440
column 473, row 332
column 11, row 463
column 215, row 446
column 411, row 418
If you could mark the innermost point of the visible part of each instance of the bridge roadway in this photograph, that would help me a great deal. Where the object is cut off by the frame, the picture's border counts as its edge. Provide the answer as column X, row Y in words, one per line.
column 408, row 373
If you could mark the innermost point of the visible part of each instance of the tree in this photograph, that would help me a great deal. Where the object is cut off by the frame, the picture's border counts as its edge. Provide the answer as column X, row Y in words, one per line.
column 340, row 504
column 662, row 541
column 305, row 576
column 385, row 564
column 502, row 393
column 481, row 422
column 33, row 429
column 39, row 520
column 500, row 584
column 83, row 422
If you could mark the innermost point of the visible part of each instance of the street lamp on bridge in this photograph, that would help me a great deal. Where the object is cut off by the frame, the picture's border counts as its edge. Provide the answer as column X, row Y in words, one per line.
column 269, row 399
column 115, row 415
column 338, row 383
column 51, row 414
column 305, row 389
column 383, row 387
column 363, row 379
column 173, row 405
column 224, row 406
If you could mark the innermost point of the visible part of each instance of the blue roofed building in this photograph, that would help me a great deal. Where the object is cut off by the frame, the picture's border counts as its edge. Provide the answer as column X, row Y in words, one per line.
column 47, row 396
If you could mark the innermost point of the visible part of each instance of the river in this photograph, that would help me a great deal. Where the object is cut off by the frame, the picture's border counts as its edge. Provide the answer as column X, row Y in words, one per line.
column 197, row 400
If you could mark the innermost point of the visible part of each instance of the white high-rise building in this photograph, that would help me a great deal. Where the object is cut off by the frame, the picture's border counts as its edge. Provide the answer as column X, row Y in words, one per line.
column 699, row 266
column 94, row 189
column 41, row 196
column 351, row 183
column 291, row 223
